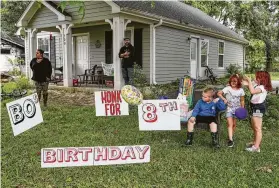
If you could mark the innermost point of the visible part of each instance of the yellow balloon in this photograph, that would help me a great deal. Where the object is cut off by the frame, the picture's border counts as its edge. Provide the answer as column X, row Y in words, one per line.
column 131, row 95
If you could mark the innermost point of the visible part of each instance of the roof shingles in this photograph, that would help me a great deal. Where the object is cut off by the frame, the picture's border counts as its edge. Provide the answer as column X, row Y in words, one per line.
column 179, row 12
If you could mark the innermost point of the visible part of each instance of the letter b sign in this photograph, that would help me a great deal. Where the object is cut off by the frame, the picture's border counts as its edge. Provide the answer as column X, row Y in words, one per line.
column 19, row 112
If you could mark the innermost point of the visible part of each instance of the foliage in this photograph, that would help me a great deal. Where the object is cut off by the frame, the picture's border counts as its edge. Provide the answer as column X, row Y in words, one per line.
column 255, row 55
column 140, row 79
column 10, row 14
column 234, row 69
column 9, row 87
column 255, row 20
column 16, row 63
column 77, row 3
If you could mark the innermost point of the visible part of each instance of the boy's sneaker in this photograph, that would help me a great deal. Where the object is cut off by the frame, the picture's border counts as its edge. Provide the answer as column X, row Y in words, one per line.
column 253, row 149
column 230, row 143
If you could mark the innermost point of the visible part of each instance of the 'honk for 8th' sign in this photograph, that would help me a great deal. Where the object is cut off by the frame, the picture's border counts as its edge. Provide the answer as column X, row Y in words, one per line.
column 110, row 103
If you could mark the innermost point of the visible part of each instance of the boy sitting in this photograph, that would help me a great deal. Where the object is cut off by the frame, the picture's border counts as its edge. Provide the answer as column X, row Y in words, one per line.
column 205, row 112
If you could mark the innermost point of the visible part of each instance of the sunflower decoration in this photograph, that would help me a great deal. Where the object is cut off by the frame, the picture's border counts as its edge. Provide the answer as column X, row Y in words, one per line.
column 131, row 95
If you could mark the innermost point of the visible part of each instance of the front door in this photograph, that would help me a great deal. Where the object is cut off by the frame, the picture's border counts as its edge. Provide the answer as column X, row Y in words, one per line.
column 194, row 57
column 81, row 54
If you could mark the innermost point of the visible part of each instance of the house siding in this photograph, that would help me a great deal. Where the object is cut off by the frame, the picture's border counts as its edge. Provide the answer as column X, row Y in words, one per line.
column 173, row 54
column 94, row 11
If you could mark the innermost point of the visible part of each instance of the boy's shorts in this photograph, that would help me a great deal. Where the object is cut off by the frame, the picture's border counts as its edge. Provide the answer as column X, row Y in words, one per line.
column 206, row 119
column 230, row 114
column 258, row 110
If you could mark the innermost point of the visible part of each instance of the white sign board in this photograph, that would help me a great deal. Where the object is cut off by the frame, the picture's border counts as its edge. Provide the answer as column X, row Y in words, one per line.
column 89, row 156
column 159, row 115
column 64, row 157
column 110, row 103
column 24, row 113
column 121, row 155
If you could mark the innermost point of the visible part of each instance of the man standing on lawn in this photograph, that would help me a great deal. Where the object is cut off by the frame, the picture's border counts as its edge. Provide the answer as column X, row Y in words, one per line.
column 42, row 70
column 127, row 53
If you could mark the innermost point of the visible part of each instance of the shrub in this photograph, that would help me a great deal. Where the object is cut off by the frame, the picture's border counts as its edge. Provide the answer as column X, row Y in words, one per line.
column 23, row 83
column 234, row 69
column 9, row 87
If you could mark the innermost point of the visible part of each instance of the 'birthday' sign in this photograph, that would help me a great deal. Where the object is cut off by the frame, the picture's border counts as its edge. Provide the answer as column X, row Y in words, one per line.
column 159, row 115
column 89, row 156
column 110, row 103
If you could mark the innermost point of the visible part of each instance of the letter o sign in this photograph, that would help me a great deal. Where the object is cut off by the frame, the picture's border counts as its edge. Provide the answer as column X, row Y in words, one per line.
column 29, row 108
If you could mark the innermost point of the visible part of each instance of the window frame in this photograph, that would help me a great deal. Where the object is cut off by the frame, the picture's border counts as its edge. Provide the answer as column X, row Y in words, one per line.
column 223, row 54
column 44, row 36
column 207, row 53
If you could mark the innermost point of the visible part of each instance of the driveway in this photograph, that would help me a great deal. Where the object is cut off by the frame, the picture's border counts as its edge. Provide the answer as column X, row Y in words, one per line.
column 275, row 83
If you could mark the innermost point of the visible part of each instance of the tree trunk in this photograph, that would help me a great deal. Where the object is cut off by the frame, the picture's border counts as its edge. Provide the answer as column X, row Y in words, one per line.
column 268, row 55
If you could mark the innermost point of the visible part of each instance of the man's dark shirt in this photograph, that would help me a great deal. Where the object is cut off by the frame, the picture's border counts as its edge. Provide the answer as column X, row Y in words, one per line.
column 127, row 62
column 42, row 70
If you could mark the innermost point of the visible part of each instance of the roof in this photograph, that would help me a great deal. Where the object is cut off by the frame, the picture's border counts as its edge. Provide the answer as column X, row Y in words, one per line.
column 179, row 12
column 12, row 39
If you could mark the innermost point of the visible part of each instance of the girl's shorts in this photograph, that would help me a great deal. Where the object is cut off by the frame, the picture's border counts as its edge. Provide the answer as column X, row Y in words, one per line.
column 258, row 110
column 230, row 114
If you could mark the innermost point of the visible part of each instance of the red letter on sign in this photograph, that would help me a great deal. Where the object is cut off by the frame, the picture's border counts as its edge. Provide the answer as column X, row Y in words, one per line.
column 149, row 113
column 103, row 97
column 71, row 153
column 107, row 108
column 49, row 156
column 117, row 109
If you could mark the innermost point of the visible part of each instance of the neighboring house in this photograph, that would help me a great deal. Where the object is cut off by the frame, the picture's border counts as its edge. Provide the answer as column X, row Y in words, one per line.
column 11, row 47
column 170, row 38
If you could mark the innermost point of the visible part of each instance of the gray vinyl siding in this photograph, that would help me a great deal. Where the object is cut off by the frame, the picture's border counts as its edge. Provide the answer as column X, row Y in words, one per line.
column 44, row 18
column 173, row 54
column 94, row 11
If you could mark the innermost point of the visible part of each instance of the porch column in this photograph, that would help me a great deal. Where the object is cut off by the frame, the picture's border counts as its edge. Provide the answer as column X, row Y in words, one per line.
column 66, row 35
column 118, row 28
column 30, row 52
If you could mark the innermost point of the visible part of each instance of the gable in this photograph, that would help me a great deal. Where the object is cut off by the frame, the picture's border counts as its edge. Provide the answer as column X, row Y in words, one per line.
column 43, row 17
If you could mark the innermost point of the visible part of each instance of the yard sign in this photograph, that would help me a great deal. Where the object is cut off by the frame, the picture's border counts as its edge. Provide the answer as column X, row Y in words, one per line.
column 110, row 103
column 159, row 115
column 24, row 113
column 89, row 156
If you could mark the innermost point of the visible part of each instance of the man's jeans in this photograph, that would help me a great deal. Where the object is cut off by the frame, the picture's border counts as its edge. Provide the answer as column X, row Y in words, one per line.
column 128, row 75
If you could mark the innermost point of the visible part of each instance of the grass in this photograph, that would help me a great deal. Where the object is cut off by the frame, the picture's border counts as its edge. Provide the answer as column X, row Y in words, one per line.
column 171, row 164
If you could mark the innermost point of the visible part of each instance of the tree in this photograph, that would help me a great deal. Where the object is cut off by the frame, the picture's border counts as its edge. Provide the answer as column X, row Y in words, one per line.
column 10, row 14
column 257, row 21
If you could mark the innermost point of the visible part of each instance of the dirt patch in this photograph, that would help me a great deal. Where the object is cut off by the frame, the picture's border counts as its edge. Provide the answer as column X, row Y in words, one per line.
column 75, row 98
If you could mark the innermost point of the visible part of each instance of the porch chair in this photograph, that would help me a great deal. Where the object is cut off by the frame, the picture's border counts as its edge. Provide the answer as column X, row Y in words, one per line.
column 108, row 73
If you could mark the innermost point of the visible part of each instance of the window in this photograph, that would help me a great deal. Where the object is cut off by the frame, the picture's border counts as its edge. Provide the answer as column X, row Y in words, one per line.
column 108, row 47
column 221, row 51
column 193, row 51
column 204, row 53
column 44, row 44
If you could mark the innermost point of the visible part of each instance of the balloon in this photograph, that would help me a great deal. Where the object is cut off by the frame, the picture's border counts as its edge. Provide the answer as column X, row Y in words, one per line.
column 241, row 113
column 131, row 95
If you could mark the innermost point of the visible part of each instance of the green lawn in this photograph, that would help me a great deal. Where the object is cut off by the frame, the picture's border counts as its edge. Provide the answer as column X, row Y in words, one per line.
column 171, row 165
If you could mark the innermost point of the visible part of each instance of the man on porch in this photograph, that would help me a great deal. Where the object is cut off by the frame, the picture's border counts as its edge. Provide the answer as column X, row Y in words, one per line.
column 127, row 54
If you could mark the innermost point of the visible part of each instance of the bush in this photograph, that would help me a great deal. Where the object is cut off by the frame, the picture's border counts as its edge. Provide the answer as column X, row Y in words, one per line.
column 23, row 83
column 9, row 87
column 234, row 69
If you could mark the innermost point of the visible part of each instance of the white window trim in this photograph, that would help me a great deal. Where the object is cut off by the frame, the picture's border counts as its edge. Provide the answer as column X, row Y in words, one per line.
column 132, row 34
column 44, row 36
column 221, row 54
column 207, row 53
